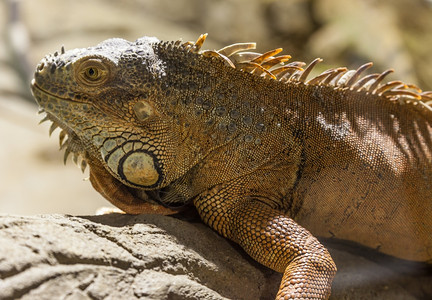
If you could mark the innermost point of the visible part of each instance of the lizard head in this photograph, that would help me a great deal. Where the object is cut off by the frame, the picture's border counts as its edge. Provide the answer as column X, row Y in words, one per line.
column 104, row 100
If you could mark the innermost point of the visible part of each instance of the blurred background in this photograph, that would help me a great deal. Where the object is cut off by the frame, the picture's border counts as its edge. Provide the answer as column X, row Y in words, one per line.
column 33, row 179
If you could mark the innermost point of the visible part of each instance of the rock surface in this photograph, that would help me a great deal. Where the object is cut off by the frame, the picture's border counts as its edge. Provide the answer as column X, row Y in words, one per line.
column 155, row 257
column 121, row 257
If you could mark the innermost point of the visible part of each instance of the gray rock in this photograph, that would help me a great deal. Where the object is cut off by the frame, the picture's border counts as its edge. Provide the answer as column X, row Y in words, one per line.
column 155, row 257
column 121, row 256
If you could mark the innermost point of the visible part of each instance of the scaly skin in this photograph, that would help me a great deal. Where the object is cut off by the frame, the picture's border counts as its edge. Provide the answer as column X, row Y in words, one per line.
column 260, row 151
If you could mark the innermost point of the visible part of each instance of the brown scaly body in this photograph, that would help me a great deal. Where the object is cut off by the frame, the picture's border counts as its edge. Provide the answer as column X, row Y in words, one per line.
column 268, row 157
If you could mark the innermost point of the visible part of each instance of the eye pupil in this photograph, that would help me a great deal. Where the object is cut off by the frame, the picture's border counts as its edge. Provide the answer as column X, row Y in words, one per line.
column 92, row 73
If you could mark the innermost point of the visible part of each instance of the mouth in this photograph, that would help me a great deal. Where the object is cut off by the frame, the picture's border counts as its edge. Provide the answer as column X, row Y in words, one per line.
column 38, row 91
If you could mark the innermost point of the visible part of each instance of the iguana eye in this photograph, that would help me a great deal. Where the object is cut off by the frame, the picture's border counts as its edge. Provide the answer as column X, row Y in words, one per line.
column 92, row 72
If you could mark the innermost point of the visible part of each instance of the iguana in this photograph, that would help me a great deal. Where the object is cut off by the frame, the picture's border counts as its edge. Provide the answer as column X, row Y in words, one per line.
column 269, row 158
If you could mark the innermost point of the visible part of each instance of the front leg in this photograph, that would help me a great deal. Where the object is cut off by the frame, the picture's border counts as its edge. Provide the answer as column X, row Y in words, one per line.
column 272, row 239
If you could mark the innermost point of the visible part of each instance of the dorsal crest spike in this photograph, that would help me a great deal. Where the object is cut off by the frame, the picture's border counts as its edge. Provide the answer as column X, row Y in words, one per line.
column 407, row 93
column 212, row 53
column 268, row 54
column 427, row 95
column 357, row 73
column 380, row 78
column 362, row 83
column 336, row 73
column 308, row 69
column 200, row 41
column 326, row 76
column 234, row 48
column 390, row 85
column 280, row 60
column 269, row 65
column 282, row 70
column 255, row 68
